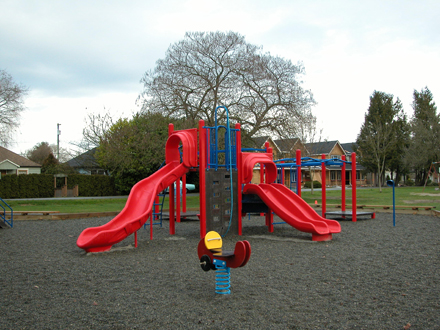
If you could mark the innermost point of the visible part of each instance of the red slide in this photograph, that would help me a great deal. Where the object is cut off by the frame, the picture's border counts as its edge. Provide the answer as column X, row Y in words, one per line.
column 294, row 210
column 140, row 201
column 135, row 213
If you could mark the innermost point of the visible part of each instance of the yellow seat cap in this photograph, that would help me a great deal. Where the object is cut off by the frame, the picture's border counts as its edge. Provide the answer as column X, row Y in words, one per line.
column 213, row 240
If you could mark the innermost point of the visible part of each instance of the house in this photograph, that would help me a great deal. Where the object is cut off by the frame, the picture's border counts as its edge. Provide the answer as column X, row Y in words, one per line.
column 335, row 150
column 282, row 148
column 86, row 163
column 349, row 149
column 12, row 163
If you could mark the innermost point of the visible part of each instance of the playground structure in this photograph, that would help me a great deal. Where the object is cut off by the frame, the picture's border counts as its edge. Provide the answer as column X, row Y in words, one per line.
column 225, row 190
column 212, row 256
column 298, row 162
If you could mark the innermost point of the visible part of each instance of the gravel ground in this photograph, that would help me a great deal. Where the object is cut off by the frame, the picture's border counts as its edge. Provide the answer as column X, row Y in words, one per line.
column 370, row 276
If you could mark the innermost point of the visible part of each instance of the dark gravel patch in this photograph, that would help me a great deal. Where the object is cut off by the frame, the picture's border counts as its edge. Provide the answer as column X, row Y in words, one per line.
column 370, row 276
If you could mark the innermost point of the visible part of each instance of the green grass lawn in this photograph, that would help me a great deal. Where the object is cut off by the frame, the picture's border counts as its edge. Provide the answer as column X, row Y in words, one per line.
column 416, row 196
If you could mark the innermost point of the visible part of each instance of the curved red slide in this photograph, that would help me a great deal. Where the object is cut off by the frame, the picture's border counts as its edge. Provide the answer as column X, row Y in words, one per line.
column 294, row 210
column 135, row 213
column 140, row 201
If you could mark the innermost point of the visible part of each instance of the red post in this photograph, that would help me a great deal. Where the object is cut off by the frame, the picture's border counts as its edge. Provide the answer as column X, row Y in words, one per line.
column 262, row 167
column 239, row 178
column 270, row 151
column 178, row 200
column 202, row 177
column 270, row 214
column 323, row 176
column 353, row 186
column 171, row 193
column 184, row 193
column 298, row 172
column 171, row 210
column 136, row 239
column 269, row 220
column 343, row 184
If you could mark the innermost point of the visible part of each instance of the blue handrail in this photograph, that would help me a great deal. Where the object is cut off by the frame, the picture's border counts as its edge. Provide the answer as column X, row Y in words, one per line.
column 9, row 222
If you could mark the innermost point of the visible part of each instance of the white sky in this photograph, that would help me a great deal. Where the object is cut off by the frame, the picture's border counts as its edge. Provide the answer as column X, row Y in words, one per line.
column 78, row 57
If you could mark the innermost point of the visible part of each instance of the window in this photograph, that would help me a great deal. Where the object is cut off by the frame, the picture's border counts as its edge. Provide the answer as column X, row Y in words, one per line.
column 19, row 172
column 335, row 175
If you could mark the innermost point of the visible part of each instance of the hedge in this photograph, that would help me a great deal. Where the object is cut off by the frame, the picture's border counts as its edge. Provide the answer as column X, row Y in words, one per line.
column 42, row 185
column 316, row 184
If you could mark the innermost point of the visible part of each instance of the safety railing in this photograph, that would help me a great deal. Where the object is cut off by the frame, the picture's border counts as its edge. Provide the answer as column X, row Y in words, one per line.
column 4, row 205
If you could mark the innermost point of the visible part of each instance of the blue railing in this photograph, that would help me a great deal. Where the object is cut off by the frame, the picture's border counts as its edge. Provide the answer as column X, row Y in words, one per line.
column 3, row 205
column 230, row 151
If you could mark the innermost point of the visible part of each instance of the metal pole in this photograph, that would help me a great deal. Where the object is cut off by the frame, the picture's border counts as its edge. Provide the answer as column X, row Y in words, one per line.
column 390, row 183
column 203, row 147
column 58, row 141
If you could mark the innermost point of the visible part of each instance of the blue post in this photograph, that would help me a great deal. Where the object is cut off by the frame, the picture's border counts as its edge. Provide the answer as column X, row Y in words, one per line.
column 390, row 183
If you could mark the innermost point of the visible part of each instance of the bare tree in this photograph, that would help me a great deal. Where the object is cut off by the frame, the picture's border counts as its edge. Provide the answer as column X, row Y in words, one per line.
column 205, row 70
column 11, row 106
column 95, row 128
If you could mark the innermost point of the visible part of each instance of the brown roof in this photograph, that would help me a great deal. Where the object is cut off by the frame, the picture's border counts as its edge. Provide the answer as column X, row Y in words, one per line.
column 324, row 147
column 286, row 145
column 6, row 154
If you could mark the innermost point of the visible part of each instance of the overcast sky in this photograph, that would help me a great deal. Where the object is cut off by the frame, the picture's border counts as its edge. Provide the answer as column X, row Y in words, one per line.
column 79, row 57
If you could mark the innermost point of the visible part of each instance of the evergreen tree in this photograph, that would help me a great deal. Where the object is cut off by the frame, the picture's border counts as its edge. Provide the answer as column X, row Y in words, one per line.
column 378, row 138
column 424, row 146
column 396, row 163
column 50, row 165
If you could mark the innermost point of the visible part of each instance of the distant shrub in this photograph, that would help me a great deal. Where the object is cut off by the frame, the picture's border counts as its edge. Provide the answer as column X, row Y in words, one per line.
column 92, row 185
column 409, row 182
column 42, row 185
column 316, row 184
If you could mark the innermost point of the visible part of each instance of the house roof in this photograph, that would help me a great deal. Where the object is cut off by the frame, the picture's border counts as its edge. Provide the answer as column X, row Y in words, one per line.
column 286, row 145
column 260, row 140
column 14, row 158
column 321, row 147
column 348, row 147
column 84, row 160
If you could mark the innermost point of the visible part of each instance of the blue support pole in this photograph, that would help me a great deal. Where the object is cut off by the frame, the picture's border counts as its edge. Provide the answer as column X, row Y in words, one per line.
column 390, row 183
